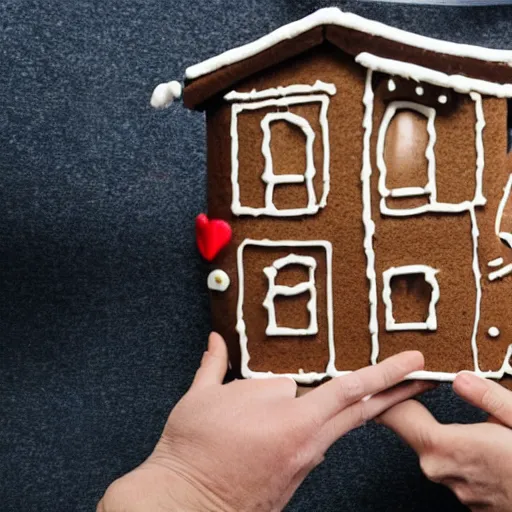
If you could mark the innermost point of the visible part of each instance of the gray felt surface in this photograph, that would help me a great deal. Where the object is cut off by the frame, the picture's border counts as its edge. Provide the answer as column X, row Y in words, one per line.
column 103, row 308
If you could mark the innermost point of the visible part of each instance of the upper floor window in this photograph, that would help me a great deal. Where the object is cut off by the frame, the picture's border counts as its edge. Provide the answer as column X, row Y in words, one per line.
column 419, row 154
column 288, row 126
column 406, row 158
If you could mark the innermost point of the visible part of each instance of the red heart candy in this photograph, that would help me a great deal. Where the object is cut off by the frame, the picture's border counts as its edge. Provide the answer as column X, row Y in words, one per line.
column 212, row 235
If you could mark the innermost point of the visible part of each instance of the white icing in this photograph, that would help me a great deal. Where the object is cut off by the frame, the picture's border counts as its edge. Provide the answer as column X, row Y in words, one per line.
column 272, row 179
column 305, row 378
column 430, row 188
column 506, row 237
column 500, row 274
column 430, row 277
column 442, row 99
column 391, row 85
column 313, row 207
column 370, row 255
column 496, row 263
column 459, row 83
column 274, row 92
column 480, row 161
column 493, row 332
column 420, row 91
column 409, row 191
column 164, row 94
column 289, row 291
column 369, row 225
column 478, row 283
column 334, row 16
column 218, row 280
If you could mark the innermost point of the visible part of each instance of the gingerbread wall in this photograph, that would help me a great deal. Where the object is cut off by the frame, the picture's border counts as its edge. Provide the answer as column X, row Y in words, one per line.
column 440, row 240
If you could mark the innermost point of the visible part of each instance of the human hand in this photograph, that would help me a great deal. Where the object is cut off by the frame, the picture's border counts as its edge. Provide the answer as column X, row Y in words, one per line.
column 474, row 461
column 249, row 444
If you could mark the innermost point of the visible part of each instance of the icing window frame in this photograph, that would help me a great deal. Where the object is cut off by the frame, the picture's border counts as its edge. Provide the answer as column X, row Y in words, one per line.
column 290, row 291
column 431, row 188
column 393, row 108
column 283, row 97
column 429, row 273
column 270, row 179
column 286, row 245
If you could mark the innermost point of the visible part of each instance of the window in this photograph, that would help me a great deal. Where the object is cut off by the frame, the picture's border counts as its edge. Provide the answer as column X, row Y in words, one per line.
column 284, row 104
column 400, row 145
column 289, row 291
column 272, row 179
column 426, row 275
column 403, row 186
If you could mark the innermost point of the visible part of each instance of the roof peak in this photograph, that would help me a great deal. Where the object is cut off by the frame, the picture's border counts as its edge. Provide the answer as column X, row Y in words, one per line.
column 335, row 16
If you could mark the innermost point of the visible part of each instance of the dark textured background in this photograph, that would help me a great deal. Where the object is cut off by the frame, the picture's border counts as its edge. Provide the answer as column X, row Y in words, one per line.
column 103, row 307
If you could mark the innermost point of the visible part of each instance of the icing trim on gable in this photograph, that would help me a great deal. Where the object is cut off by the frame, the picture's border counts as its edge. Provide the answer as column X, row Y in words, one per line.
column 458, row 83
column 334, row 16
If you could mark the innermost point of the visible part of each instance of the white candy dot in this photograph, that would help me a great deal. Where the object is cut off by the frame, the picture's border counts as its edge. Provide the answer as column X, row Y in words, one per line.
column 301, row 371
column 391, row 85
column 218, row 280
column 165, row 94
column 442, row 99
column 493, row 332
column 419, row 91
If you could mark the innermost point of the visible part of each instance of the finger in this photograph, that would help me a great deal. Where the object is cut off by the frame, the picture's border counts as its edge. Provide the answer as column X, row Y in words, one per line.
column 485, row 394
column 331, row 398
column 214, row 363
column 365, row 410
column 494, row 421
column 414, row 424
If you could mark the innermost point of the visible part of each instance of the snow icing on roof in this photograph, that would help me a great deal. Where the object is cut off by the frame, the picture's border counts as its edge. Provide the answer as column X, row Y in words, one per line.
column 334, row 16
column 458, row 83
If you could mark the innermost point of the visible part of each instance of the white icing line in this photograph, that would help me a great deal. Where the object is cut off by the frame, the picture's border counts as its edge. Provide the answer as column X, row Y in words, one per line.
column 496, row 263
column 218, row 280
column 431, row 187
column 480, row 160
column 459, row 83
column 478, row 282
column 430, row 114
column 274, row 92
column 240, row 324
column 272, row 179
column 334, row 16
column 430, row 277
column 236, row 207
column 506, row 237
column 409, row 191
column 369, row 225
column 500, row 274
column 273, row 290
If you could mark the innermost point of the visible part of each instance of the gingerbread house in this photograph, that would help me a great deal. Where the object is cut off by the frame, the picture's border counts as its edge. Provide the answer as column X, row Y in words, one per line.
column 364, row 173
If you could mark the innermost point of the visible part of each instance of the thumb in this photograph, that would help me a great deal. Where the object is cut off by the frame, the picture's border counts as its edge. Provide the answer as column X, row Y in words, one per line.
column 214, row 363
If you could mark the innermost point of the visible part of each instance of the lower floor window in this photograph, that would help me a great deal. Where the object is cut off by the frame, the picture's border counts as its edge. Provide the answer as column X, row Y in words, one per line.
column 422, row 277
column 275, row 290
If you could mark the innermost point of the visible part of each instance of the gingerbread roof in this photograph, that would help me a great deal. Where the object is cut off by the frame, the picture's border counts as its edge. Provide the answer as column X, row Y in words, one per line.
column 354, row 35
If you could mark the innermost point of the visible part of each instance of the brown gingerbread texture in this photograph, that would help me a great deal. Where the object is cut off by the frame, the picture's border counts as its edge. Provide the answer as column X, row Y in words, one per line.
column 364, row 173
